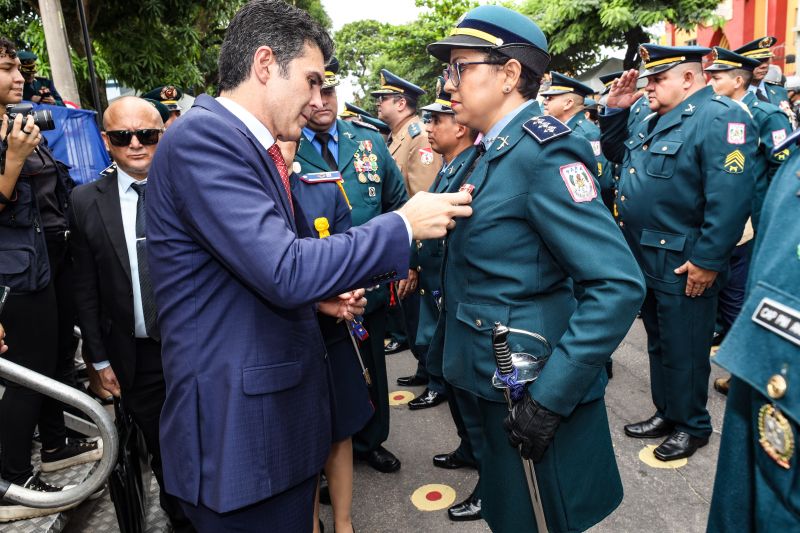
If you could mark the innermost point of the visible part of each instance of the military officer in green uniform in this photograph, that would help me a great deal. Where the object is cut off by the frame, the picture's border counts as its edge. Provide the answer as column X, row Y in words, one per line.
column 683, row 198
column 760, row 49
column 757, row 486
column 168, row 95
column 353, row 112
column 37, row 89
column 536, row 215
column 373, row 185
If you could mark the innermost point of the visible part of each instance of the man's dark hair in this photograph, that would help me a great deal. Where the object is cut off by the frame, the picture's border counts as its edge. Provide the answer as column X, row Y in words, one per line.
column 529, row 82
column 411, row 103
column 7, row 48
column 746, row 75
column 274, row 23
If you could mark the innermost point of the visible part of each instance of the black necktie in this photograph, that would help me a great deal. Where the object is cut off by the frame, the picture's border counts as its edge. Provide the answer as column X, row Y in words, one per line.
column 323, row 139
column 761, row 95
column 145, row 287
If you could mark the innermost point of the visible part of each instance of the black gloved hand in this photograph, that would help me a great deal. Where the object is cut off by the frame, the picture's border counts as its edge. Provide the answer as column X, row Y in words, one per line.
column 531, row 427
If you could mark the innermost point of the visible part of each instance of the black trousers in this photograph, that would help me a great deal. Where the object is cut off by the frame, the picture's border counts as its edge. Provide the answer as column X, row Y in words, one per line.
column 144, row 401
column 39, row 336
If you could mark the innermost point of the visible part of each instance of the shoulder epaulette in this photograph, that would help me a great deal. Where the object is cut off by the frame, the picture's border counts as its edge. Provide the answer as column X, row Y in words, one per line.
column 322, row 177
column 414, row 129
column 744, row 106
column 787, row 142
column 364, row 125
column 724, row 100
column 545, row 128
column 110, row 169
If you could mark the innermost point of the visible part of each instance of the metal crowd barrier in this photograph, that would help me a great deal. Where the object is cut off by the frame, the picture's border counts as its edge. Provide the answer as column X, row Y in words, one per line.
column 108, row 432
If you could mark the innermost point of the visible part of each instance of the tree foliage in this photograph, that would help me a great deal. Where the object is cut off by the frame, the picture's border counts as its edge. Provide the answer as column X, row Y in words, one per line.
column 578, row 29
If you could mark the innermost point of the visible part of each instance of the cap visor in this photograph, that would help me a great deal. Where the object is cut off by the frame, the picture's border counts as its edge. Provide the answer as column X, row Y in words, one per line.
column 441, row 49
column 554, row 92
column 718, row 67
column 437, row 108
column 659, row 69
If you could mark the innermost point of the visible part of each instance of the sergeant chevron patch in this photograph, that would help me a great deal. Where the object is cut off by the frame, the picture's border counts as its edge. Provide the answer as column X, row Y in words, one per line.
column 734, row 162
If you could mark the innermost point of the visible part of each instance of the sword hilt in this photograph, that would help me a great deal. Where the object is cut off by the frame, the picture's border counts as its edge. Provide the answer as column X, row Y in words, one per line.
column 502, row 351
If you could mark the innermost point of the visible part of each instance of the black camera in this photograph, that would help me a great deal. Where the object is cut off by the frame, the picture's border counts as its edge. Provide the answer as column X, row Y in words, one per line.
column 42, row 118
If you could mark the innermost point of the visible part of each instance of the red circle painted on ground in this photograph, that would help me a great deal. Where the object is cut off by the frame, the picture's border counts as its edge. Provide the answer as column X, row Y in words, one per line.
column 398, row 397
column 433, row 496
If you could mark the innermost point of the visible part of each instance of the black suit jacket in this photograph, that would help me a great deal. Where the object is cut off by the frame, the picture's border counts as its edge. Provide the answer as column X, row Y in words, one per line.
column 102, row 280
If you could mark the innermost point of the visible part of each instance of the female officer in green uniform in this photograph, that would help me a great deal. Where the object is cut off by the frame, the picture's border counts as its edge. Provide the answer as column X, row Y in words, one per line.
column 536, row 220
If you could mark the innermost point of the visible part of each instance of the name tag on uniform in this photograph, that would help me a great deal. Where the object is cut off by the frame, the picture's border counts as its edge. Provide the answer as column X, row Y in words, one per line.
column 321, row 177
column 779, row 318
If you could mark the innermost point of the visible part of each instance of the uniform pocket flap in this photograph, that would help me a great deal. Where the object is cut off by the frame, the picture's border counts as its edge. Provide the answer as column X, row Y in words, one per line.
column 271, row 378
column 666, row 147
column 14, row 261
column 660, row 239
column 481, row 317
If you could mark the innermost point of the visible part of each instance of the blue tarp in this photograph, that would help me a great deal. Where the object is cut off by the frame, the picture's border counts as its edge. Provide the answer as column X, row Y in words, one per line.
column 76, row 141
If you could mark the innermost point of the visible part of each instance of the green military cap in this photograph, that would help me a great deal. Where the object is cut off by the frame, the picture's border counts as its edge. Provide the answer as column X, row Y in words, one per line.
column 561, row 84
column 331, row 74
column 161, row 108
column 497, row 28
column 657, row 58
column 723, row 59
column 27, row 60
column 352, row 110
column 442, row 103
column 167, row 95
column 394, row 84
column 608, row 79
column 758, row 49
column 589, row 103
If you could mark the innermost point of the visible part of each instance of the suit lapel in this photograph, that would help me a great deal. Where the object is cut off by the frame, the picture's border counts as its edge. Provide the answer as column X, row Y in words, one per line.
column 110, row 211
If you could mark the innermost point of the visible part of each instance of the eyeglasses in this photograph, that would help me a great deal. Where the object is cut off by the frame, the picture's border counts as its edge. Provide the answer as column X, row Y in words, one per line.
column 383, row 97
column 123, row 137
column 453, row 71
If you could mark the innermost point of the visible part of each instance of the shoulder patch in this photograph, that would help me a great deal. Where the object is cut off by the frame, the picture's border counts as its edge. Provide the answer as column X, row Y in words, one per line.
column 545, row 128
column 787, row 142
column 579, row 182
column 364, row 125
column 414, row 129
column 736, row 133
column 778, row 136
column 322, row 177
column 596, row 148
column 426, row 156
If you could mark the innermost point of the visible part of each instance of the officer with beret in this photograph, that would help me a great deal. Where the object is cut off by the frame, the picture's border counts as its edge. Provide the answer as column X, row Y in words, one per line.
column 756, row 486
column 455, row 143
column 37, row 89
column 683, row 197
column 730, row 76
column 169, row 95
column 536, row 213
column 564, row 100
column 373, row 185
column 760, row 49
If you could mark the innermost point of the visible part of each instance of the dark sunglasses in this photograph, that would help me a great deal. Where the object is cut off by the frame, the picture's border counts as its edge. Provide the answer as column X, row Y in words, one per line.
column 123, row 137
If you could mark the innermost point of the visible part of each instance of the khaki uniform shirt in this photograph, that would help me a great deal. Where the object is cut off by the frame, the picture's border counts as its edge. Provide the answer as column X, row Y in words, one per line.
column 412, row 152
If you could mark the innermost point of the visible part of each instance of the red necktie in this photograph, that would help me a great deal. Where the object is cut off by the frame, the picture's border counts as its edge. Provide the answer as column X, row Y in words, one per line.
column 275, row 153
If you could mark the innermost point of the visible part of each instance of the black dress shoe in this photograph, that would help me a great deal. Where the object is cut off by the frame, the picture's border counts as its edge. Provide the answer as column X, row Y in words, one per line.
column 411, row 381
column 324, row 491
column 381, row 460
column 653, row 427
column 393, row 347
column 451, row 461
column 469, row 509
column 679, row 445
column 610, row 369
column 428, row 398
column 721, row 385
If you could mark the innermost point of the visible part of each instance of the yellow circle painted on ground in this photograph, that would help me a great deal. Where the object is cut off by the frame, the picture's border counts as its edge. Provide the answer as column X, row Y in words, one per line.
column 400, row 397
column 433, row 497
column 647, row 457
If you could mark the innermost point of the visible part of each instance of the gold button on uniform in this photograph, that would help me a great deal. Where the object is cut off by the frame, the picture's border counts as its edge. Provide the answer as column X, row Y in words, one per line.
column 662, row 241
column 419, row 245
column 622, row 198
column 644, row 147
column 478, row 322
column 776, row 387
column 422, row 292
column 419, row 269
column 632, row 171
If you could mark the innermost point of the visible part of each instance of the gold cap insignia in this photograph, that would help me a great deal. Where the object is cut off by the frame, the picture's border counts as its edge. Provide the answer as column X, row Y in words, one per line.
column 383, row 79
column 438, row 86
column 169, row 92
column 775, row 435
column 766, row 42
column 644, row 54
column 714, row 54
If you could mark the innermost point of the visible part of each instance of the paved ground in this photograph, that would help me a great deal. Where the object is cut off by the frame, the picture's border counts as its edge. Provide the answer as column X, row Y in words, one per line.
column 656, row 500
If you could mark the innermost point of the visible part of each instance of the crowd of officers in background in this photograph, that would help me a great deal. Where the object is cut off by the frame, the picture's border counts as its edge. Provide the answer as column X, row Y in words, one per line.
column 683, row 166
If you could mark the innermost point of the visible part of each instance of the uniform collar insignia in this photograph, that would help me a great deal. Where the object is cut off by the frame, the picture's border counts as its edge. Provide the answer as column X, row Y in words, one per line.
column 348, row 134
column 690, row 108
column 503, row 142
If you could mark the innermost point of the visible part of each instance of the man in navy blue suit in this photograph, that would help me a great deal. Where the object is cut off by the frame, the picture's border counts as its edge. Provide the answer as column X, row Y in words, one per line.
column 245, row 427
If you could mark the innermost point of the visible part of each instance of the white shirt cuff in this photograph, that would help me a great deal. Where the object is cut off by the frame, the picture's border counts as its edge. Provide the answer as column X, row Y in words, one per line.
column 101, row 365
column 408, row 227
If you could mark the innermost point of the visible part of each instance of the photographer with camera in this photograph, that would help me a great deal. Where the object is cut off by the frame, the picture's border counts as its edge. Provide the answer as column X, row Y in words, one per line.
column 36, row 264
column 37, row 89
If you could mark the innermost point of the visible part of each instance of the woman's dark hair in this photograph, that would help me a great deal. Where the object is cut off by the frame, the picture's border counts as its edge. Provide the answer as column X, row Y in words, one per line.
column 7, row 48
column 529, row 82
column 274, row 23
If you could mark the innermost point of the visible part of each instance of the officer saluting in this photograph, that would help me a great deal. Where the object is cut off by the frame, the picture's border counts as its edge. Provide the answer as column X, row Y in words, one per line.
column 683, row 197
column 758, row 454
column 536, row 213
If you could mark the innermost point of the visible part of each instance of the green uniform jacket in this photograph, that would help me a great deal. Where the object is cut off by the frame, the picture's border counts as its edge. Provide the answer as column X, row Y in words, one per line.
column 685, row 186
column 429, row 253
column 537, row 221
column 776, row 94
column 369, row 192
column 773, row 126
column 589, row 131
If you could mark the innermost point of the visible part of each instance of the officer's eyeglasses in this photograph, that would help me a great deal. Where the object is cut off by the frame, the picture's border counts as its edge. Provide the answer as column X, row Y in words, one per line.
column 453, row 71
column 123, row 137
column 384, row 97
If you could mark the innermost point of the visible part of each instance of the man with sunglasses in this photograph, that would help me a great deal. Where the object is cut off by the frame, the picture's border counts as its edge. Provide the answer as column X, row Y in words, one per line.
column 113, row 294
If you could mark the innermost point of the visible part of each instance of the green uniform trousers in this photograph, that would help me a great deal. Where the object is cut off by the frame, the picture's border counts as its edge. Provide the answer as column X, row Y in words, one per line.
column 582, row 443
column 679, row 331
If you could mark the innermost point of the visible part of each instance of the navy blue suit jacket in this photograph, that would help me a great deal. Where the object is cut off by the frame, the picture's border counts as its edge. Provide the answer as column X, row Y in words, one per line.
column 247, row 410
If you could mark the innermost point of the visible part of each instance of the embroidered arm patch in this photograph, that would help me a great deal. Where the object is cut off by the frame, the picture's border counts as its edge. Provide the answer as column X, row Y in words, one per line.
column 579, row 182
